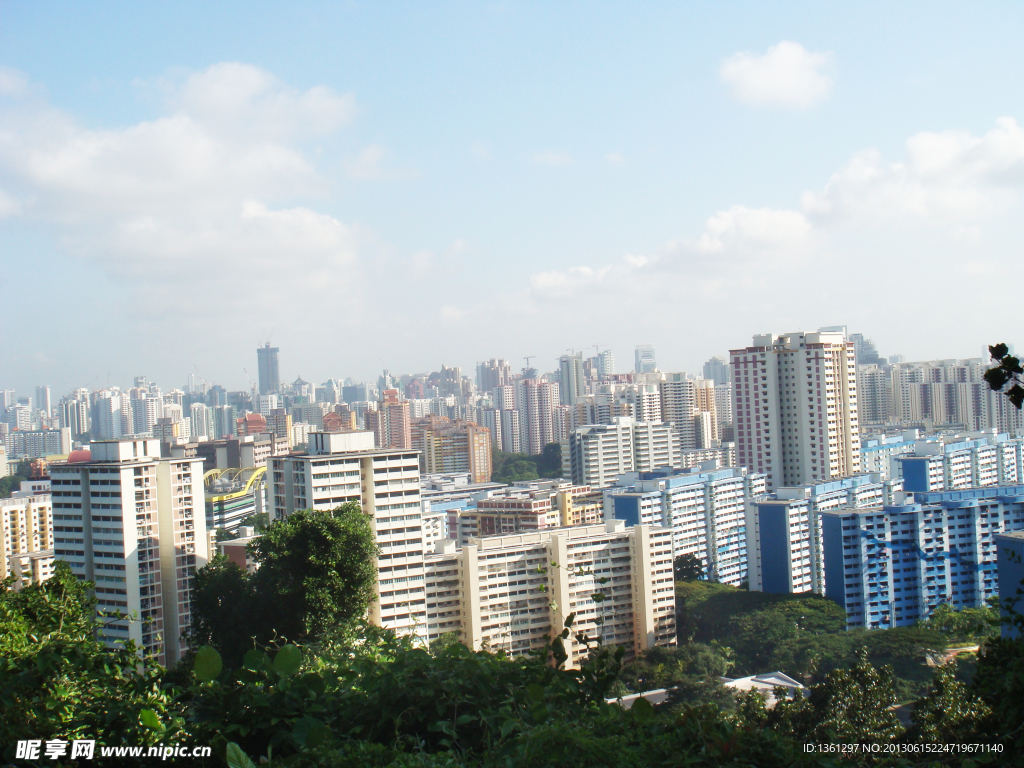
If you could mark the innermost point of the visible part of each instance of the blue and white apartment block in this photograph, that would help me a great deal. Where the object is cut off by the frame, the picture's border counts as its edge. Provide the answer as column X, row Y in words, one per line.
column 704, row 506
column 892, row 565
column 972, row 460
column 784, row 544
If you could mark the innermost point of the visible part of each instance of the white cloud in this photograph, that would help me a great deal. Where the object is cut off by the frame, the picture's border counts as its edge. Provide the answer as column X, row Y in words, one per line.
column 12, row 82
column 451, row 314
column 240, row 99
column 615, row 158
column 740, row 228
column 188, row 206
column 481, row 149
column 946, row 175
column 788, row 75
column 552, row 158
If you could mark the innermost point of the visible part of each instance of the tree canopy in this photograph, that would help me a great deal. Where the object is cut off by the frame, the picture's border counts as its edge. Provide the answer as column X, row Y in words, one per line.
column 316, row 570
column 511, row 467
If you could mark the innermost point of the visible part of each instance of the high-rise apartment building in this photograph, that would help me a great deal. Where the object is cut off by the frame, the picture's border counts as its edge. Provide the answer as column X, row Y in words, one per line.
column 874, row 395
column 645, row 362
column 201, row 421
column 339, row 467
column 391, row 422
column 535, row 401
column 269, row 374
column 605, row 363
column 453, row 446
column 597, row 454
column 573, row 383
column 704, row 507
column 892, row 566
column 795, row 408
column 135, row 525
column 503, row 593
column 784, row 541
column 493, row 373
column 43, row 402
column 26, row 537
column 954, row 462
column 74, row 415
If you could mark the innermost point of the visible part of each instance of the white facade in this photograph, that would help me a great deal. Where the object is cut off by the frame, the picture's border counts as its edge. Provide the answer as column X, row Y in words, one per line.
column 705, row 508
column 795, row 408
column 343, row 467
column 134, row 524
column 784, row 537
column 597, row 454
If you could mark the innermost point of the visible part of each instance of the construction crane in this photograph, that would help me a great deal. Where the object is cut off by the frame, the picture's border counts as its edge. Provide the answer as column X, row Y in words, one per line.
column 528, row 358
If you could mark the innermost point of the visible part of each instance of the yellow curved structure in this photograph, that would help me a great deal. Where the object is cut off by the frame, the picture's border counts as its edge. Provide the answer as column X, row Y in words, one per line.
column 234, row 474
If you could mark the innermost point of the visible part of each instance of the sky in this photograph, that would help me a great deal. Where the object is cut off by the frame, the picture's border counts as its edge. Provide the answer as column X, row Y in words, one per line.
column 405, row 185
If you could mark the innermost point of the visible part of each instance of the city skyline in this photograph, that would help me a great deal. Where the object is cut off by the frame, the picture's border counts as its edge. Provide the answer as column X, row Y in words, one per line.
column 660, row 176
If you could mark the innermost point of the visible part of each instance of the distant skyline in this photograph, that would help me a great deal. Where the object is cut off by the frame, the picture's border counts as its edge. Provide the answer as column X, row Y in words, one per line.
column 403, row 186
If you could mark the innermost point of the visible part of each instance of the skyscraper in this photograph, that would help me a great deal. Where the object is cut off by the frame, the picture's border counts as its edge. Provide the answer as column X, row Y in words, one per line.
column 43, row 400
column 493, row 373
column 645, row 362
column 717, row 369
column 573, row 383
column 795, row 408
column 270, row 376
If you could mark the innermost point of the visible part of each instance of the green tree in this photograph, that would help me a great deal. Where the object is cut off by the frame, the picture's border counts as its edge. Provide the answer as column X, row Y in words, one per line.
column 58, row 681
column 848, row 706
column 316, row 570
column 9, row 484
column 225, row 611
column 1007, row 376
column 512, row 467
column 688, row 567
column 549, row 463
column 948, row 712
column 257, row 520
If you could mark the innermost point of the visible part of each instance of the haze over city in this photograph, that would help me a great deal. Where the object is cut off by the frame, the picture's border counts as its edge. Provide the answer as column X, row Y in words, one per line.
column 403, row 187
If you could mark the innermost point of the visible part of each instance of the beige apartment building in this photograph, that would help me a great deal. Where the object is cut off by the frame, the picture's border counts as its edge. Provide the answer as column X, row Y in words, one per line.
column 513, row 593
column 26, row 525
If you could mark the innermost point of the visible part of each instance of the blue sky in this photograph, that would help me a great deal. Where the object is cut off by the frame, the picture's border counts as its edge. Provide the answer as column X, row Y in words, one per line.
column 403, row 185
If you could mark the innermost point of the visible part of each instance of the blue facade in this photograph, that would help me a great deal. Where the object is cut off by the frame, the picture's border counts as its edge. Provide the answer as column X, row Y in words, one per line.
column 915, row 473
column 893, row 565
column 832, row 547
column 1011, row 577
column 773, row 525
column 627, row 508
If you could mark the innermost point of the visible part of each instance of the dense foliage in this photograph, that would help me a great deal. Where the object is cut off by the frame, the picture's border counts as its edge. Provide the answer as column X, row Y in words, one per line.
column 510, row 467
column 805, row 636
column 316, row 571
column 9, row 484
